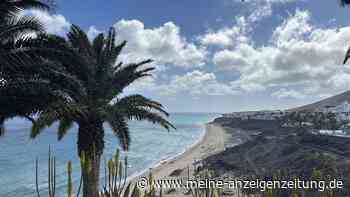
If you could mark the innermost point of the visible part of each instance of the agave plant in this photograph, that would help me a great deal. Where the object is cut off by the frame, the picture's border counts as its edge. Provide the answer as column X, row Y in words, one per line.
column 116, row 184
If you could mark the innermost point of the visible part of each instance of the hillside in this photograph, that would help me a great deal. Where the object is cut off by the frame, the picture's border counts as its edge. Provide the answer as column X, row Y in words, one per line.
column 270, row 150
column 331, row 101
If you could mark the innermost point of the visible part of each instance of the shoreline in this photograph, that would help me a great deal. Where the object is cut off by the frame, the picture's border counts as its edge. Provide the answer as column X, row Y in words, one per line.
column 164, row 160
column 213, row 141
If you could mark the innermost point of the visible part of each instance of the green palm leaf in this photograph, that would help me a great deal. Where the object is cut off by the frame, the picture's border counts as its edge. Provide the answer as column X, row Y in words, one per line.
column 19, row 27
column 60, row 110
column 45, row 120
column 140, row 101
column 64, row 125
column 74, row 80
column 120, row 129
column 344, row 2
column 11, row 8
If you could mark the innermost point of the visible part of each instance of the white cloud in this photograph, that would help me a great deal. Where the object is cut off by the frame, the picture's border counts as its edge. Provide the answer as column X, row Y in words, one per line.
column 261, row 9
column 299, row 54
column 266, row 1
column 55, row 23
column 229, row 59
column 93, row 32
column 197, row 83
column 145, row 84
column 285, row 93
column 227, row 36
column 164, row 44
column 293, row 29
column 239, row 32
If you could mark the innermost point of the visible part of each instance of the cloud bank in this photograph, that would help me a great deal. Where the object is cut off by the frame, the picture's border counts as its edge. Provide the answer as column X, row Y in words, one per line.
column 299, row 54
column 299, row 60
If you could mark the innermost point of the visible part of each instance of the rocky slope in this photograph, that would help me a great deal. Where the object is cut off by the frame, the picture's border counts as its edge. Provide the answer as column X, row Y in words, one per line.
column 272, row 150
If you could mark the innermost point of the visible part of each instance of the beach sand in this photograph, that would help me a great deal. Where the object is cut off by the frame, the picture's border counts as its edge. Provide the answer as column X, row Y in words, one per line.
column 213, row 142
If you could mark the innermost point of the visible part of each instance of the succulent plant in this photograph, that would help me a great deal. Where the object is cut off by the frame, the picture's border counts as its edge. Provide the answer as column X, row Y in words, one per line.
column 116, row 184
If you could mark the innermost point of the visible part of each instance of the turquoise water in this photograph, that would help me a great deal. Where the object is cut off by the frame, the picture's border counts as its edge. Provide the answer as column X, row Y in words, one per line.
column 150, row 144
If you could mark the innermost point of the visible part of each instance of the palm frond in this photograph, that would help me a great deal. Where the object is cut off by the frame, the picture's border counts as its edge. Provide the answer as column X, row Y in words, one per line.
column 109, row 47
column 27, row 4
column 107, row 54
column 347, row 56
column 10, row 8
column 2, row 126
column 146, row 115
column 112, row 51
column 43, row 76
column 55, row 112
column 45, row 120
column 98, row 45
column 344, row 2
column 141, row 113
column 118, row 49
column 23, row 105
column 64, row 125
column 53, row 48
column 138, row 101
column 120, row 129
column 18, row 85
column 18, row 27
column 126, row 75
column 80, row 41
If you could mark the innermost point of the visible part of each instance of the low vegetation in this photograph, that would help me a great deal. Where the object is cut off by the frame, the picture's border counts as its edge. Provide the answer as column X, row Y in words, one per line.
column 116, row 184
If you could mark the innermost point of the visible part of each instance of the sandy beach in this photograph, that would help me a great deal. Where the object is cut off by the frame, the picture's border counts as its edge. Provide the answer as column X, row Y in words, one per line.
column 213, row 142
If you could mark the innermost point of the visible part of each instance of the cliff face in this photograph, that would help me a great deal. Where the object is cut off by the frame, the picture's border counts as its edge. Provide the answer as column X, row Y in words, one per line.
column 295, row 152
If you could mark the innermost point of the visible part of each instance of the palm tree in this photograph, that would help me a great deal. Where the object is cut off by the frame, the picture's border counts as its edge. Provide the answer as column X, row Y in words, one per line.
column 98, row 98
column 344, row 2
column 347, row 55
column 69, row 80
column 13, row 28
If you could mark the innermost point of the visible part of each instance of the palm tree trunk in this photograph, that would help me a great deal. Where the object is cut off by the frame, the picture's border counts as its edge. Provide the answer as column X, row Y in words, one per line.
column 91, row 144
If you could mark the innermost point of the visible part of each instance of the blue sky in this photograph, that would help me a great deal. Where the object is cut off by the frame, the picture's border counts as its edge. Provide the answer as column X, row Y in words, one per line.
column 224, row 55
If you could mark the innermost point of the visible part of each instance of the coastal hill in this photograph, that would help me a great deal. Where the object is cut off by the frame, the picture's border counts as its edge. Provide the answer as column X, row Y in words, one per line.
column 269, row 150
column 331, row 101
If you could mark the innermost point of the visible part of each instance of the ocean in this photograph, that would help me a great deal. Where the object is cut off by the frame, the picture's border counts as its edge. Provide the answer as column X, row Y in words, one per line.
column 150, row 145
